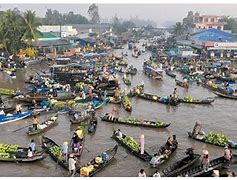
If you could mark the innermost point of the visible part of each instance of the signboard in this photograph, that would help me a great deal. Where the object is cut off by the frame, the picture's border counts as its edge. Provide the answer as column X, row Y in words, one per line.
column 225, row 44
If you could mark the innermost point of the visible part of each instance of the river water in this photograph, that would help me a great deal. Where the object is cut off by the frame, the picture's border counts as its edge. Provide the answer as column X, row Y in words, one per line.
column 219, row 117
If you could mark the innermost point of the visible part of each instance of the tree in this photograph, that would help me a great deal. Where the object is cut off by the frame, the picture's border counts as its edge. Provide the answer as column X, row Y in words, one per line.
column 30, row 24
column 178, row 29
column 189, row 20
column 231, row 24
column 93, row 12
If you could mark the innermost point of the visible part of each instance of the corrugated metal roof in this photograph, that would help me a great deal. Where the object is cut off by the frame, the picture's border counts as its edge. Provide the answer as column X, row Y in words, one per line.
column 214, row 35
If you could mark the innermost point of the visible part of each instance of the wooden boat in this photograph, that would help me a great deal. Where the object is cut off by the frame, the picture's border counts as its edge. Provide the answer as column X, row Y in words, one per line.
column 92, row 127
column 208, row 100
column 180, row 165
column 152, row 73
column 170, row 73
column 127, row 82
column 158, row 99
column 81, row 118
column 59, row 97
column 126, row 102
column 122, row 63
column 50, row 146
column 137, row 122
column 21, row 155
column 181, row 84
column 136, row 90
column 7, row 109
column 204, row 140
column 98, row 167
column 8, row 92
column 225, row 95
column 198, row 171
column 132, row 71
column 145, row 157
column 14, row 117
column 163, row 152
column 45, row 125
column 80, row 131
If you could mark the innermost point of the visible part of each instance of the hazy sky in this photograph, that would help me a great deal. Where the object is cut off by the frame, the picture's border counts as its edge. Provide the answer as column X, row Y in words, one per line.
column 160, row 13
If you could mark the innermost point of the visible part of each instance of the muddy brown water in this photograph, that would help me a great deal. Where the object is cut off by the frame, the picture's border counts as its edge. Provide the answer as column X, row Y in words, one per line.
column 218, row 117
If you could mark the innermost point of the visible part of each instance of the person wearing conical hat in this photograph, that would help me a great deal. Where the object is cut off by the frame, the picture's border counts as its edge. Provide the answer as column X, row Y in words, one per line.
column 205, row 160
column 216, row 173
column 65, row 150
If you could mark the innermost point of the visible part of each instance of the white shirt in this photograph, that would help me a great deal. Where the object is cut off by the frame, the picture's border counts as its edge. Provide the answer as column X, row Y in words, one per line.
column 30, row 153
column 71, row 163
column 141, row 175
column 156, row 174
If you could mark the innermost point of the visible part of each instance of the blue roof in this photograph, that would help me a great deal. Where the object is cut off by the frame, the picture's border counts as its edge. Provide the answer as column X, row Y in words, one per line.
column 214, row 35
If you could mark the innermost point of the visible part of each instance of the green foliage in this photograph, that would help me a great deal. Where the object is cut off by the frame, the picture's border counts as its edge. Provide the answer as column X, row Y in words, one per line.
column 6, row 149
column 56, row 151
column 178, row 29
column 119, row 27
column 218, row 139
column 54, row 17
column 129, row 141
column 93, row 12
column 231, row 24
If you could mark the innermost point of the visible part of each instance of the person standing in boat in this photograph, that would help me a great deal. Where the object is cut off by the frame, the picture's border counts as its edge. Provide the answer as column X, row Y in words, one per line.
column 18, row 108
column 113, row 113
column 227, row 154
column 35, row 123
column 32, row 145
column 142, row 173
column 64, row 149
column 205, row 160
column 72, row 165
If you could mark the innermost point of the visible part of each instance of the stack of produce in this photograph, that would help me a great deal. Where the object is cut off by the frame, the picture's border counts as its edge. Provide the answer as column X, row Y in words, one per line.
column 56, row 151
column 4, row 91
column 126, row 102
column 159, row 123
column 189, row 99
column 129, row 141
column 218, row 139
column 5, row 150
column 132, row 120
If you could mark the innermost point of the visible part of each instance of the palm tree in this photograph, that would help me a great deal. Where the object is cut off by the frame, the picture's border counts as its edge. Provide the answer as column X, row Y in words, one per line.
column 178, row 29
column 30, row 24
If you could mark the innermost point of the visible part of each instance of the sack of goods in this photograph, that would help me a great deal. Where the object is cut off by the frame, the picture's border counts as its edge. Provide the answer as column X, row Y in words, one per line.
column 85, row 171
column 98, row 160
column 80, row 133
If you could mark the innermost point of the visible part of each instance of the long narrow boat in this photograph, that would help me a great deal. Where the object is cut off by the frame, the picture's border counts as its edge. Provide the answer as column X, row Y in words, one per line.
column 137, row 122
column 198, row 171
column 165, row 153
column 45, row 125
column 145, row 157
column 180, row 165
column 158, row 99
column 132, row 71
column 181, row 84
column 80, row 119
column 14, row 117
column 126, row 102
column 127, row 82
column 170, row 73
column 19, row 154
column 80, row 132
column 59, row 97
column 98, row 167
column 208, row 100
column 54, row 150
column 205, row 141
column 225, row 95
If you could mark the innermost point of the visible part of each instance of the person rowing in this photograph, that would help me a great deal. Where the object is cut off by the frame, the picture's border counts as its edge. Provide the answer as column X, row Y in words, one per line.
column 197, row 131
column 113, row 113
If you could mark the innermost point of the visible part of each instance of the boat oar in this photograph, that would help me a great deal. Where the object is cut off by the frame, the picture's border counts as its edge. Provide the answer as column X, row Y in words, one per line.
column 86, row 149
column 22, row 128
